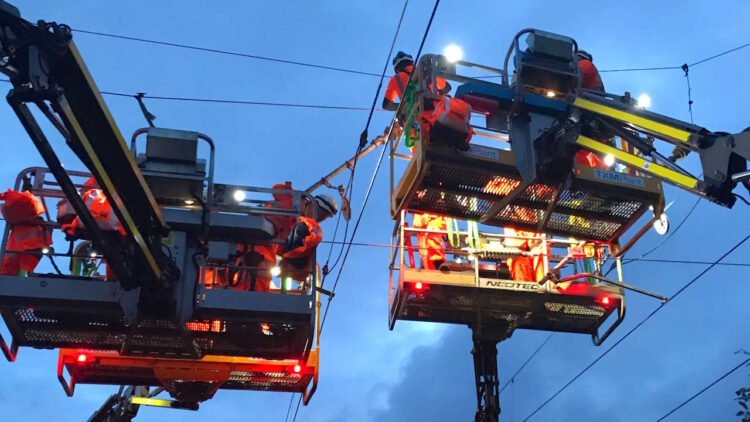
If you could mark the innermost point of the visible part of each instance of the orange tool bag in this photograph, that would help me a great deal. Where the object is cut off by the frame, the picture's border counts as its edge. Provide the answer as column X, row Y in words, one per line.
column 448, row 123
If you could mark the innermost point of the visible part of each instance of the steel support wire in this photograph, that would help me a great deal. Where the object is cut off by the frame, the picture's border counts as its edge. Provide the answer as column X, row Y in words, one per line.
column 637, row 326
column 375, row 174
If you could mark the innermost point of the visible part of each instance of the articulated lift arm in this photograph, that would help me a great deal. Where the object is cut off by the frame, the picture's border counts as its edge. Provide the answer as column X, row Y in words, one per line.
column 723, row 156
column 549, row 65
column 46, row 70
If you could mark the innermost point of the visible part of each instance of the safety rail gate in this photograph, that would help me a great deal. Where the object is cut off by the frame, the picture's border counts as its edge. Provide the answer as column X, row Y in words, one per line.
column 481, row 292
column 88, row 312
column 483, row 183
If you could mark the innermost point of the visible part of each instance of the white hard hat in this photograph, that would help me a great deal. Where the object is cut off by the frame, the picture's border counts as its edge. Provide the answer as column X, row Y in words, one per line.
column 327, row 204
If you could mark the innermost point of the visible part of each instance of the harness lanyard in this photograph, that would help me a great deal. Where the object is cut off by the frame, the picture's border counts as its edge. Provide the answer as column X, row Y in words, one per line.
column 473, row 238
column 454, row 237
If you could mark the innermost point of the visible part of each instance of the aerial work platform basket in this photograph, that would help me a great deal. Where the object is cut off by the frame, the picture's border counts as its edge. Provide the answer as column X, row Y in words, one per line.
column 485, row 181
column 474, row 286
column 93, row 311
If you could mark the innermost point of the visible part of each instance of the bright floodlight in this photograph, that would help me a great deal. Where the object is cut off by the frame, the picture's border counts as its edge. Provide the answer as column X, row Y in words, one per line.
column 275, row 271
column 662, row 225
column 644, row 101
column 609, row 160
column 239, row 195
column 550, row 93
column 453, row 53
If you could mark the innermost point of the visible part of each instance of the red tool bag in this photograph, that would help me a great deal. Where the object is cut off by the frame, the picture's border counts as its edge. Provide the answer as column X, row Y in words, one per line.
column 448, row 123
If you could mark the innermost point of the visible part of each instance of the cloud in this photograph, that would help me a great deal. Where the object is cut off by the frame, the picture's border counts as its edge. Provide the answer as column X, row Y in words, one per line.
column 437, row 383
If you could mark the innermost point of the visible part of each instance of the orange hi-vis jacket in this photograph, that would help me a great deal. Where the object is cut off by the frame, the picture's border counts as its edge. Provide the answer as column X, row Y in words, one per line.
column 260, row 259
column 526, row 268
column 397, row 84
column 590, row 78
column 23, row 211
column 431, row 248
column 100, row 209
column 297, row 259
column 282, row 224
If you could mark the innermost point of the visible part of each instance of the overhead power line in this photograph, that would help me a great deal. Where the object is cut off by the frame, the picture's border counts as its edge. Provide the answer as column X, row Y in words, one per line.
column 651, row 260
column 639, row 69
column 375, row 173
column 636, row 327
column 235, row 102
column 355, row 71
column 723, row 53
column 348, row 192
column 706, row 388
column 350, row 187
column 513, row 377
column 240, row 102
column 226, row 52
column 325, row 106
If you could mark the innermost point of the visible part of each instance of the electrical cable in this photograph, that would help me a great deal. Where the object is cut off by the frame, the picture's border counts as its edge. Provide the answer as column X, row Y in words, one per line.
column 706, row 388
column 226, row 52
column 637, row 326
column 374, row 176
column 518, row 371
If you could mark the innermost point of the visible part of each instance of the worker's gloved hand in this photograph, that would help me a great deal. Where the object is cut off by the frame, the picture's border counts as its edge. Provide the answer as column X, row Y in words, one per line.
column 296, row 237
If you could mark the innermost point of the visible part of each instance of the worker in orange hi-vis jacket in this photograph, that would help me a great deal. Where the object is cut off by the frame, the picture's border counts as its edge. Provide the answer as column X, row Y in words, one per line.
column 532, row 266
column 23, row 212
column 529, row 268
column 98, row 204
column 298, row 250
column 403, row 64
column 259, row 259
column 590, row 79
column 430, row 245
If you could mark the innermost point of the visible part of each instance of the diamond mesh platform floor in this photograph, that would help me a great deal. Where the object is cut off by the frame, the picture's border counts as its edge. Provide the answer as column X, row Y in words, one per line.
column 597, row 205
column 89, row 314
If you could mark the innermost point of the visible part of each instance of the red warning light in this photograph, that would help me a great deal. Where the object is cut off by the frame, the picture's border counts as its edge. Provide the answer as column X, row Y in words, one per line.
column 605, row 300
column 297, row 369
column 82, row 358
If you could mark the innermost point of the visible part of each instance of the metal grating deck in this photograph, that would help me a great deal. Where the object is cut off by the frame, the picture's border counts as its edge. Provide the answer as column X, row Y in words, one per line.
column 84, row 314
column 500, row 307
column 283, row 339
column 597, row 205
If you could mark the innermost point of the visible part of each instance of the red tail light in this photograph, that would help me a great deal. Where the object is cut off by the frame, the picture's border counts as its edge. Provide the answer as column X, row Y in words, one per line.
column 82, row 358
column 418, row 285
column 605, row 301
column 297, row 369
